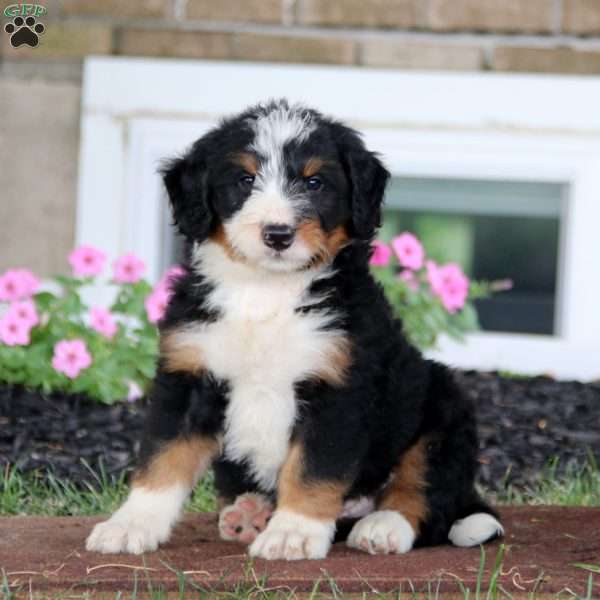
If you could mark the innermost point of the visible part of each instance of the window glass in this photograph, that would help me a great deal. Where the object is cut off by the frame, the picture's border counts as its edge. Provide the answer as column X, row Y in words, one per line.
column 495, row 230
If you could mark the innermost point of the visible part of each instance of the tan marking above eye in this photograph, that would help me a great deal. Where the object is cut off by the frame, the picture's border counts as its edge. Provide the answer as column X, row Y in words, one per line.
column 313, row 166
column 248, row 161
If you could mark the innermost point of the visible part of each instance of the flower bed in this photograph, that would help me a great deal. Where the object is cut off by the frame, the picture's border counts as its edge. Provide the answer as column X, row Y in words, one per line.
column 523, row 423
column 67, row 369
column 52, row 341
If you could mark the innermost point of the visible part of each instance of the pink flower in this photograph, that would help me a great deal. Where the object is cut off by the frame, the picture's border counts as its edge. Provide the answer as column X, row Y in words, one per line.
column 14, row 331
column 102, row 321
column 87, row 261
column 409, row 251
column 16, row 284
column 381, row 254
column 156, row 303
column 449, row 283
column 128, row 268
column 71, row 357
column 170, row 277
column 134, row 391
column 25, row 311
column 410, row 279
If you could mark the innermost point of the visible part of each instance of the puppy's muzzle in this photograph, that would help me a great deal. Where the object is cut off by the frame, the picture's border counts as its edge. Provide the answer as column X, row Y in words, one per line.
column 278, row 236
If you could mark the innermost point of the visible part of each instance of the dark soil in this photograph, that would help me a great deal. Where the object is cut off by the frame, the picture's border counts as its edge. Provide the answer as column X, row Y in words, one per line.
column 523, row 423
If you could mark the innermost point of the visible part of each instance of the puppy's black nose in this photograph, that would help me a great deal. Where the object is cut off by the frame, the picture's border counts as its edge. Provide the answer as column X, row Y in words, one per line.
column 277, row 236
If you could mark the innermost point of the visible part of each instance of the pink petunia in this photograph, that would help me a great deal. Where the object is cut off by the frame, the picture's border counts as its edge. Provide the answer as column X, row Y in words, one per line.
column 409, row 251
column 449, row 283
column 25, row 311
column 410, row 279
column 14, row 331
column 156, row 303
column 71, row 357
column 16, row 284
column 102, row 321
column 87, row 261
column 129, row 268
column 381, row 254
column 171, row 275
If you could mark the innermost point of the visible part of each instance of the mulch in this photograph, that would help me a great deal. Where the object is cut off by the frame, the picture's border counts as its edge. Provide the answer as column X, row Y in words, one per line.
column 523, row 423
column 544, row 545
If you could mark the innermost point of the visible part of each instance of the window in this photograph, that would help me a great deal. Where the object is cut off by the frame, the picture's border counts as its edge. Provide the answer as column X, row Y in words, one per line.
column 496, row 230
column 501, row 171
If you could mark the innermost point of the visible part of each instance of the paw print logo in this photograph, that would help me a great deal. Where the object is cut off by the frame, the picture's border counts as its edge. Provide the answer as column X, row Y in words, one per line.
column 24, row 31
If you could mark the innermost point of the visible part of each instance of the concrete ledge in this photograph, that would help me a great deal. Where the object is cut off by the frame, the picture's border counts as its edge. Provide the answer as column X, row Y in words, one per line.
column 543, row 543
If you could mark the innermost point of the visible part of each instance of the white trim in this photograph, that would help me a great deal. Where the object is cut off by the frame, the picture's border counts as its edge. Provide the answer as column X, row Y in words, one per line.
column 484, row 126
column 200, row 89
column 522, row 354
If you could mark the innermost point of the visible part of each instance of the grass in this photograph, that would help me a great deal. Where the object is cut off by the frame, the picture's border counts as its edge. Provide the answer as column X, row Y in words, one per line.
column 34, row 494
column 487, row 586
column 576, row 485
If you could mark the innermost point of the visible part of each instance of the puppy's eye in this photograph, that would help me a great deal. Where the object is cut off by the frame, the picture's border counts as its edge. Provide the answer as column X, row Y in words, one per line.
column 314, row 184
column 246, row 181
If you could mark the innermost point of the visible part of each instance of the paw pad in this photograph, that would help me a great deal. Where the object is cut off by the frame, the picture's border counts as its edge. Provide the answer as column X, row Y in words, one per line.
column 243, row 520
column 24, row 31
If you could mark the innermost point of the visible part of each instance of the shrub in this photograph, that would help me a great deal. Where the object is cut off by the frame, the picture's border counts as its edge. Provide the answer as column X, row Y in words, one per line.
column 53, row 341
column 430, row 299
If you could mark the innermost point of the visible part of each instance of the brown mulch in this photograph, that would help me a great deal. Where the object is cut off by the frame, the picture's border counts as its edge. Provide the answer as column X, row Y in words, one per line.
column 543, row 543
column 523, row 423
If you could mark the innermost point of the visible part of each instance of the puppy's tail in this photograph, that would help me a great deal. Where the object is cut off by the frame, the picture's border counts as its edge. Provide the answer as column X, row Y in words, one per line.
column 481, row 524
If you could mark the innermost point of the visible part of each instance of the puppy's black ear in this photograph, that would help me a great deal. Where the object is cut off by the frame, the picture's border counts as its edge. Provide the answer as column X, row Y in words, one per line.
column 186, row 180
column 368, row 178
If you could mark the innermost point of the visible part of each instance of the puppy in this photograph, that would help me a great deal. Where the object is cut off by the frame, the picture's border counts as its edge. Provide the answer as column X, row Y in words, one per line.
column 282, row 365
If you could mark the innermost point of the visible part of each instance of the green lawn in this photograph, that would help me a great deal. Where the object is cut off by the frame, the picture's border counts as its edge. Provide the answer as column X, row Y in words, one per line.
column 36, row 495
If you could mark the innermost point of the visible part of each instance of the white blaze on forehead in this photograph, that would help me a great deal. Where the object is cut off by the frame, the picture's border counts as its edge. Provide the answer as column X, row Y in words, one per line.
column 271, row 200
column 276, row 128
column 272, row 132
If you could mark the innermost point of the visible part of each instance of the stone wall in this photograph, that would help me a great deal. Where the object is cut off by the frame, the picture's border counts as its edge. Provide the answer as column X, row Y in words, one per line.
column 40, row 88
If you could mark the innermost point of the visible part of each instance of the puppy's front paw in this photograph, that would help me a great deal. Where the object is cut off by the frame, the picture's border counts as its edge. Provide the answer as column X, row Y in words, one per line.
column 382, row 532
column 291, row 536
column 122, row 535
column 140, row 525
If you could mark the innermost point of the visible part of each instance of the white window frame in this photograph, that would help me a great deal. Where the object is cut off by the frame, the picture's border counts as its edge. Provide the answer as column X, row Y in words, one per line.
column 480, row 126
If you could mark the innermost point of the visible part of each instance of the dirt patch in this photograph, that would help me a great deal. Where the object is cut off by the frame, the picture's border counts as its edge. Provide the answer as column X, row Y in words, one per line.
column 543, row 543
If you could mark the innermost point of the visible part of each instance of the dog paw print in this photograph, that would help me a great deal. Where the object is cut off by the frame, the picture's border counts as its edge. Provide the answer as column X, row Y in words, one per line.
column 24, row 31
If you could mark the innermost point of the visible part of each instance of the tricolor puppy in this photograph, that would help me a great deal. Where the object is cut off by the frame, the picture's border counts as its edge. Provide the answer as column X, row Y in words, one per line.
column 283, row 367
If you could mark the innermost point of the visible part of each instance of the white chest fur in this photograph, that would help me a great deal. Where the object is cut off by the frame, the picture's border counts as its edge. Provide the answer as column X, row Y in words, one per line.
column 262, row 346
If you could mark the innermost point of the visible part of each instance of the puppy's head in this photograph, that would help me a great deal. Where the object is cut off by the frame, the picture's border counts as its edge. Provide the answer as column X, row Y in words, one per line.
column 280, row 187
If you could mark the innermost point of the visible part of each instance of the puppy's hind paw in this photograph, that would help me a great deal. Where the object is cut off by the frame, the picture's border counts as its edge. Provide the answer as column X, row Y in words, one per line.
column 382, row 532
